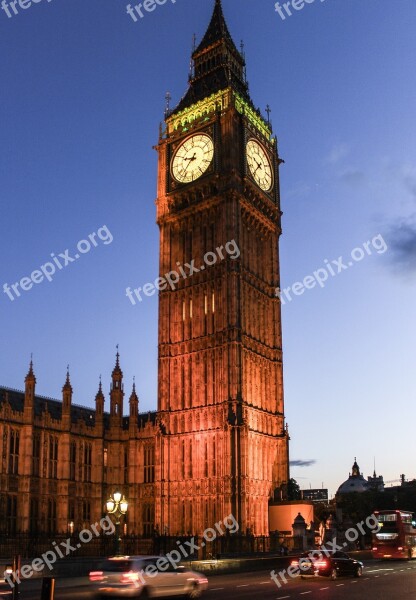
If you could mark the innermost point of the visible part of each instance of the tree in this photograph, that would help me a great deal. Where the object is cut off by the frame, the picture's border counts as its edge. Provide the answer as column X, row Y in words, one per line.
column 293, row 490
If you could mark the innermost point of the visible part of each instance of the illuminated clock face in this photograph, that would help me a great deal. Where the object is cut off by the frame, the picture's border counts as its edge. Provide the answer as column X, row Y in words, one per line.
column 259, row 165
column 193, row 158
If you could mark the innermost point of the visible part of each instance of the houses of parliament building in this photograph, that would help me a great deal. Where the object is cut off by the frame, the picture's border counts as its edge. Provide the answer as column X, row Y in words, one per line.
column 218, row 444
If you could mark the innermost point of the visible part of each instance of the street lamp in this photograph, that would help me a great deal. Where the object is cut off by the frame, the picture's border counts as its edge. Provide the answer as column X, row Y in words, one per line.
column 117, row 505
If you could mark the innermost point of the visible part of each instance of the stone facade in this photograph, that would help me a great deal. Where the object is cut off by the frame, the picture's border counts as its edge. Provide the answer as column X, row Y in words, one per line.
column 60, row 462
column 220, row 339
column 218, row 443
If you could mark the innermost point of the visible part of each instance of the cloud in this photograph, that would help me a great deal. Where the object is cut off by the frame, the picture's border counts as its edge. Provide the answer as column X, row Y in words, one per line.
column 337, row 153
column 404, row 173
column 302, row 463
column 353, row 177
column 401, row 239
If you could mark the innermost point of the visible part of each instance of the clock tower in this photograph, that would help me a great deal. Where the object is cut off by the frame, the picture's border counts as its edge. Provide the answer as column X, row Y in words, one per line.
column 223, row 442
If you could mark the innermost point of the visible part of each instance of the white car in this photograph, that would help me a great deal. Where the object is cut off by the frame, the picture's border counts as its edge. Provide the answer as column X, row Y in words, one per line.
column 5, row 589
column 145, row 577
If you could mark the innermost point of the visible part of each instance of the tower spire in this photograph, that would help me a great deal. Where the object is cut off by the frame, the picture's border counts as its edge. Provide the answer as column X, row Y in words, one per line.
column 117, row 372
column 117, row 394
column 268, row 111
column 30, row 385
column 67, row 384
column 99, row 405
column 217, row 63
column 66, row 400
column 217, row 29
column 100, row 390
column 168, row 98
column 30, row 375
column 134, row 408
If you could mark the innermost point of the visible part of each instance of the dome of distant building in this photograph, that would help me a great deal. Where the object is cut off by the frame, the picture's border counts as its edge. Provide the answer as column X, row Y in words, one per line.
column 355, row 482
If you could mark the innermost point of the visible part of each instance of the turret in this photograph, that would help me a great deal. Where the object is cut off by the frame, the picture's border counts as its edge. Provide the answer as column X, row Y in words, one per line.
column 116, row 395
column 99, row 403
column 134, row 408
column 30, row 385
column 67, row 395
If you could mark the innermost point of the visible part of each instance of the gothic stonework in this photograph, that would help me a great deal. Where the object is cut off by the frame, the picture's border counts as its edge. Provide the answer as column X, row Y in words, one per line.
column 220, row 342
column 60, row 461
column 218, row 443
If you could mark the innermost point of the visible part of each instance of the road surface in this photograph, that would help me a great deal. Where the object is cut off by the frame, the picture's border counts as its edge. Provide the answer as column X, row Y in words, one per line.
column 381, row 581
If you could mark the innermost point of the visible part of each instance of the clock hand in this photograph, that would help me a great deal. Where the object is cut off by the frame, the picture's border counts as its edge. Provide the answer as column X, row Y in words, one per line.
column 190, row 161
column 257, row 163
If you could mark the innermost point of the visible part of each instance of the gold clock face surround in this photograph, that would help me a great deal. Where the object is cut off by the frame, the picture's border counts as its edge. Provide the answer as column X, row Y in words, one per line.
column 192, row 158
column 259, row 165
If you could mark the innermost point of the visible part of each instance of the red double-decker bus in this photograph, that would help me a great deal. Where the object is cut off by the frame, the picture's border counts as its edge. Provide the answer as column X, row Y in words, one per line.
column 397, row 535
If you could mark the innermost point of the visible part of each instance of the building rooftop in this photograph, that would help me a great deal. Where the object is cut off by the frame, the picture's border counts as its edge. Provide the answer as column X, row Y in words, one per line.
column 54, row 408
column 355, row 482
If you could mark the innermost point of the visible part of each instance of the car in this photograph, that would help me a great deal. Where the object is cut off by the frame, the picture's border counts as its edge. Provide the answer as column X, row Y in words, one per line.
column 145, row 577
column 5, row 589
column 327, row 564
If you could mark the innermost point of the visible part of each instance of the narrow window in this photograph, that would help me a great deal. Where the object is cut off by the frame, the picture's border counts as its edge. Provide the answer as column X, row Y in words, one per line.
column 148, row 520
column 86, row 511
column 206, row 472
column 87, row 462
column 149, row 464
column 34, row 515
column 14, row 452
column 51, row 516
column 72, row 460
column 11, row 514
column 53, row 457
column 126, row 467
column 36, row 456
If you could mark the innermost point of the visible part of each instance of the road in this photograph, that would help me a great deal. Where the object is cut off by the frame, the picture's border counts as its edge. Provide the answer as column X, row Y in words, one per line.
column 381, row 581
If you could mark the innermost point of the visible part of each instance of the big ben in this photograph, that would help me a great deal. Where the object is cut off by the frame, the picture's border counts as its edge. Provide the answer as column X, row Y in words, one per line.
column 223, row 444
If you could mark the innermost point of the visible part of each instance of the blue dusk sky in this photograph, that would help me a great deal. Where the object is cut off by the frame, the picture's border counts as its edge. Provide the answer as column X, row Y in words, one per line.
column 82, row 95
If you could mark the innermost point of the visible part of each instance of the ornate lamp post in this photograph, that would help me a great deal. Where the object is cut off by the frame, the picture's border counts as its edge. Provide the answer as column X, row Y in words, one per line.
column 117, row 505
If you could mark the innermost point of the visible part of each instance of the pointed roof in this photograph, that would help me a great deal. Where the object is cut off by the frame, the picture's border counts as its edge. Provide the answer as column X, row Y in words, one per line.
column 217, row 30
column 30, row 376
column 67, row 385
column 134, row 395
column 117, row 370
column 99, row 395
column 355, row 468
column 217, row 64
column 100, row 390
